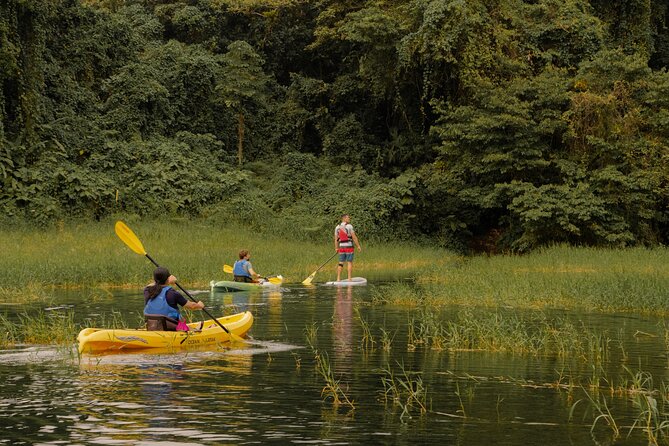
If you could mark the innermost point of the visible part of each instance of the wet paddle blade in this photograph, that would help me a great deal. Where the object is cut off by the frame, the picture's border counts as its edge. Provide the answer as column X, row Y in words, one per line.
column 227, row 269
column 308, row 280
column 129, row 238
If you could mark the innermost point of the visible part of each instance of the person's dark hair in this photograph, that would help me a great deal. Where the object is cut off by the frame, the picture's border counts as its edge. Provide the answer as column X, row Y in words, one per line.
column 160, row 276
column 243, row 253
column 344, row 215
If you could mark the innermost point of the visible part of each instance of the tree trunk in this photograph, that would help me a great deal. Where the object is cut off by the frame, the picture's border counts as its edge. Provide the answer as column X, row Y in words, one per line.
column 240, row 137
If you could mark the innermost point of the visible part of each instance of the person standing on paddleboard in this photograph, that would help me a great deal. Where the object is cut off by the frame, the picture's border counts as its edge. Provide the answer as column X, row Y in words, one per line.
column 344, row 238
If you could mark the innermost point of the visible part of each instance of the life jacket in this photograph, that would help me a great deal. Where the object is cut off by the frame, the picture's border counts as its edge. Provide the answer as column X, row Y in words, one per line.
column 159, row 305
column 241, row 268
column 344, row 239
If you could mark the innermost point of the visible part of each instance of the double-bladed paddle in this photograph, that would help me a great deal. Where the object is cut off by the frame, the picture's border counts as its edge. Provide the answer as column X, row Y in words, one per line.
column 275, row 280
column 308, row 280
column 129, row 238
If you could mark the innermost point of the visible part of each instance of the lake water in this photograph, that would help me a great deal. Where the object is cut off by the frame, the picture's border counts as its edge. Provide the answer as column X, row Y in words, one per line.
column 270, row 392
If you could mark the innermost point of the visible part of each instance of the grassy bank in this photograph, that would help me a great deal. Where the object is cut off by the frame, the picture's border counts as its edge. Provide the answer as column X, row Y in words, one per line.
column 627, row 280
column 89, row 253
column 83, row 254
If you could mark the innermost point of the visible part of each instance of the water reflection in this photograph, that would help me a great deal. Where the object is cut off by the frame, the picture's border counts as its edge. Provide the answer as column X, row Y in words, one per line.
column 155, row 398
column 342, row 328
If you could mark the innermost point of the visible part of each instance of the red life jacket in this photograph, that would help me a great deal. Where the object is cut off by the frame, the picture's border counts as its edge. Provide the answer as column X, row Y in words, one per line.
column 344, row 240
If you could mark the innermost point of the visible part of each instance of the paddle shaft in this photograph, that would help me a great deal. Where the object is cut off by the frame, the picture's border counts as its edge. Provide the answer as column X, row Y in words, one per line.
column 190, row 297
column 325, row 263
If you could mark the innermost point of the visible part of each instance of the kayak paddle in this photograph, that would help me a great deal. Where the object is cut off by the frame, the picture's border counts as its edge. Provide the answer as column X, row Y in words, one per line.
column 129, row 238
column 308, row 280
column 275, row 280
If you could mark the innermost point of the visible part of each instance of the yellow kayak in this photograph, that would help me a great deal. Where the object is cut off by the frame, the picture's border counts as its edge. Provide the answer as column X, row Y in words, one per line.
column 103, row 340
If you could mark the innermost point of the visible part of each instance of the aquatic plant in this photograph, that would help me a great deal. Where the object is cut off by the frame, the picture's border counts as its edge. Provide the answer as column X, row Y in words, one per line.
column 113, row 319
column 459, row 395
column 311, row 332
column 386, row 339
column 601, row 407
column 298, row 361
column 405, row 390
column 332, row 389
column 651, row 405
column 652, row 415
column 412, row 338
column 40, row 328
column 367, row 340
column 10, row 332
column 507, row 331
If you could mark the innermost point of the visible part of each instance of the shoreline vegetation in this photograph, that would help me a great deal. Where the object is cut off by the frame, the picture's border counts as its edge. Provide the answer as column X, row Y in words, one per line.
column 84, row 254
column 504, row 289
column 81, row 254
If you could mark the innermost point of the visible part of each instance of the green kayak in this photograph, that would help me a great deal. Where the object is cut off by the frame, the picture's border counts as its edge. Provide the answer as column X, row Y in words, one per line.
column 231, row 286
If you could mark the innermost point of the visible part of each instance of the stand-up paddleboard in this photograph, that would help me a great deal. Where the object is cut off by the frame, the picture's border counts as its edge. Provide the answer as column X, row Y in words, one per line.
column 353, row 282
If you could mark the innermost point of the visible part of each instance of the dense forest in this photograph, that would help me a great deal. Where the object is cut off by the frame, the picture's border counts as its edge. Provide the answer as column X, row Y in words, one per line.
column 476, row 125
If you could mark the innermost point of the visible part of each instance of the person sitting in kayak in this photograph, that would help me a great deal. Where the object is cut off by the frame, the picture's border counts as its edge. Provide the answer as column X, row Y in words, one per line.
column 243, row 270
column 344, row 237
column 162, row 301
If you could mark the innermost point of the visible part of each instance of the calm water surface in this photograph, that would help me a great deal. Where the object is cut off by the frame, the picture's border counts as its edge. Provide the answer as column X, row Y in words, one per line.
column 269, row 392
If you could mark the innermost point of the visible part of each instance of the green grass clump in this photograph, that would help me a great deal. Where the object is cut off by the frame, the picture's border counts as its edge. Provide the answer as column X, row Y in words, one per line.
column 40, row 328
column 535, row 334
column 50, row 328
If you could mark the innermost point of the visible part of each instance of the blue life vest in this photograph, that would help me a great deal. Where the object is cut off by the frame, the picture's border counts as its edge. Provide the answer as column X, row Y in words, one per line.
column 241, row 268
column 159, row 305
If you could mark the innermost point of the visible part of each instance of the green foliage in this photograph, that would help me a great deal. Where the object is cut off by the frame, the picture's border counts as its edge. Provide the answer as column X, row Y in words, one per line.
column 345, row 143
column 243, row 80
column 504, row 124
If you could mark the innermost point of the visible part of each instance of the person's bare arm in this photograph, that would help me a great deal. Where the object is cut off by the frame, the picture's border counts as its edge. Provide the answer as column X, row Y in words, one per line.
column 355, row 240
column 194, row 305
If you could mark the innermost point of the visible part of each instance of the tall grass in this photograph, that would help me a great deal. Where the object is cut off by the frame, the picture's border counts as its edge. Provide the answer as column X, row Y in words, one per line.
column 89, row 254
column 627, row 280
column 405, row 389
column 650, row 406
column 50, row 328
column 508, row 332
column 76, row 254
column 40, row 328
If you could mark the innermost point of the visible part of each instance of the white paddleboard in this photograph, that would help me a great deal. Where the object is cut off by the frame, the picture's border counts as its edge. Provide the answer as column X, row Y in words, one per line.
column 353, row 282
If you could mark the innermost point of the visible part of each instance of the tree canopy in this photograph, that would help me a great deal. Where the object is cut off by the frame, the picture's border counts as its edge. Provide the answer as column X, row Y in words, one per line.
column 494, row 125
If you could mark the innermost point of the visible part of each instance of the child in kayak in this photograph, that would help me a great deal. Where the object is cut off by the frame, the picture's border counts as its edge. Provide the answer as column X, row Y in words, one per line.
column 162, row 302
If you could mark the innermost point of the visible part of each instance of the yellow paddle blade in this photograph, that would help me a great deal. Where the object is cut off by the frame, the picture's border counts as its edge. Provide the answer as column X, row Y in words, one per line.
column 308, row 280
column 227, row 269
column 129, row 238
